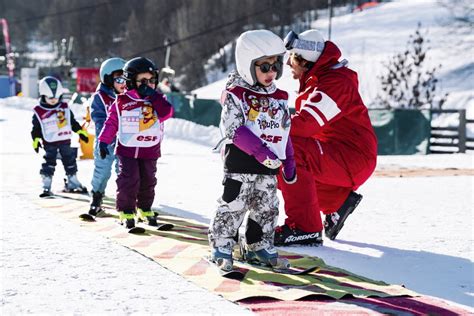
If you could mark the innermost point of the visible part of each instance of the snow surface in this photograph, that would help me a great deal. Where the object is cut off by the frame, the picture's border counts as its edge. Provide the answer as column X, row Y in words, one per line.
column 416, row 231
column 370, row 38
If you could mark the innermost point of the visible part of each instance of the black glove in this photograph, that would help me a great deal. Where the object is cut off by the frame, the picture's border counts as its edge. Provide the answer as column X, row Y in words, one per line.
column 104, row 151
column 83, row 135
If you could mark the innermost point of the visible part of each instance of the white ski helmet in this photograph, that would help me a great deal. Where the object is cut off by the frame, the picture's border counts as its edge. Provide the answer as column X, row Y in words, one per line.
column 108, row 67
column 254, row 45
column 50, row 87
column 309, row 44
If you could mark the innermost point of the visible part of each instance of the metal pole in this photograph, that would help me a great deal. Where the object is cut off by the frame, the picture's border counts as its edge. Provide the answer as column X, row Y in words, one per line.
column 168, row 52
column 330, row 19
column 9, row 56
column 462, row 131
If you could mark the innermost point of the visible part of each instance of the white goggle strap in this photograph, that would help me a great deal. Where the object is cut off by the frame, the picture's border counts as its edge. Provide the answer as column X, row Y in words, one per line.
column 308, row 45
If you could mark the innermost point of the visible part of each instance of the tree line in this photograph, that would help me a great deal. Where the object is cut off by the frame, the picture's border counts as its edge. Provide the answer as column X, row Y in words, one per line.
column 196, row 29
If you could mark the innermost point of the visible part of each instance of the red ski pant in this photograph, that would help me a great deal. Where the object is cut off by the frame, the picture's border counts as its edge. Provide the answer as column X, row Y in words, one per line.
column 326, row 174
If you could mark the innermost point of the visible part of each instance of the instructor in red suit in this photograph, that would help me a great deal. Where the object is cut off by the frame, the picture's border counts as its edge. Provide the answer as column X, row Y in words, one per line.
column 335, row 146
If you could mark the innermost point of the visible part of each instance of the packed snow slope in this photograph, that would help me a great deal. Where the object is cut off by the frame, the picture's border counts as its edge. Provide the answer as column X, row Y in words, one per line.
column 415, row 231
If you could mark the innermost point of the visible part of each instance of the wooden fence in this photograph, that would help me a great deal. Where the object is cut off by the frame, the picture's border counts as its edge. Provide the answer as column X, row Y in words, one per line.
column 451, row 139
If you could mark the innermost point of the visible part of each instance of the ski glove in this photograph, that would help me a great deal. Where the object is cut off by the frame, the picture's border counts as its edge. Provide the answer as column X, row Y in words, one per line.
column 289, row 165
column 248, row 142
column 37, row 144
column 104, row 151
column 83, row 135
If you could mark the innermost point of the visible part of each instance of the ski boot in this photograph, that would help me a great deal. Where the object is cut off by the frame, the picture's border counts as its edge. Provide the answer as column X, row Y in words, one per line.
column 334, row 221
column 127, row 218
column 47, row 180
column 72, row 185
column 147, row 216
column 96, row 204
column 222, row 258
column 266, row 256
column 288, row 235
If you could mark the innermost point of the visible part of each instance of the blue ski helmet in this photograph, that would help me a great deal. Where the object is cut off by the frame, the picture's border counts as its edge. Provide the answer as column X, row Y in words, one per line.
column 108, row 67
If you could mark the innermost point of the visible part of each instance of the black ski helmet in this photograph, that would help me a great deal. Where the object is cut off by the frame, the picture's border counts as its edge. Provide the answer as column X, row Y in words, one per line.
column 135, row 66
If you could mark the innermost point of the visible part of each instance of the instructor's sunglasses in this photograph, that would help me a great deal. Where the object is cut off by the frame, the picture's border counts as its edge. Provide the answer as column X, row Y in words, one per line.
column 120, row 80
column 266, row 67
column 148, row 81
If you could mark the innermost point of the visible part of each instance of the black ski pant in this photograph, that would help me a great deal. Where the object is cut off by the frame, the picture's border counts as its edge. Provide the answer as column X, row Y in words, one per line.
column 68, row 158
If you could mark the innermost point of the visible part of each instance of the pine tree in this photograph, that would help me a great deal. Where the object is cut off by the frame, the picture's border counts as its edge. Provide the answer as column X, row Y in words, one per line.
column 407, row 83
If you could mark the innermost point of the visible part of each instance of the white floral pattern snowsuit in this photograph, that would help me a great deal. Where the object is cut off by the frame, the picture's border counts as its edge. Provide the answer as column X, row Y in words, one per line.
column 254, row 193
column 245, row 192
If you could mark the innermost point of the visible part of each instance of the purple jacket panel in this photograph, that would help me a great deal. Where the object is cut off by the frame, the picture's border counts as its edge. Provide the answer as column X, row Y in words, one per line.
column 249, row 143
column 162, row 107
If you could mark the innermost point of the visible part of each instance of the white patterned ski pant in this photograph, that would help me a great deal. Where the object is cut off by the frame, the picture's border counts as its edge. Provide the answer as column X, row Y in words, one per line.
column 254, row 193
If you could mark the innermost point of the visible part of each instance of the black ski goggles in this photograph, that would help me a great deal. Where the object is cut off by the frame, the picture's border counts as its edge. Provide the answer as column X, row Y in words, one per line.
column 148, row 81
column 266, row 67
column 292, row 41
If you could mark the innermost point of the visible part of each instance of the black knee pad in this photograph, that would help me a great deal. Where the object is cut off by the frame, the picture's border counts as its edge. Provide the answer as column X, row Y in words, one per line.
column 253, row 232
column 231, row 189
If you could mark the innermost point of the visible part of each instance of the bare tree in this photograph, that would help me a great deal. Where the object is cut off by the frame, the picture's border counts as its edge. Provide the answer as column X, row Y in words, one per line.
column 407, row 83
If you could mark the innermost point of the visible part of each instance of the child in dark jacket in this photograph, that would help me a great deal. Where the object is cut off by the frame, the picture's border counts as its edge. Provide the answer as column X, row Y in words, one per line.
column 53, row 124
column 136, row 117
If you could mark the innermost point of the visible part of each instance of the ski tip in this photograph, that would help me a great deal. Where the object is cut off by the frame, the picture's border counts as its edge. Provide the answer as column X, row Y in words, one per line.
column 87, row 217
column 233, row 275
column 165, row 227
column 136, row 230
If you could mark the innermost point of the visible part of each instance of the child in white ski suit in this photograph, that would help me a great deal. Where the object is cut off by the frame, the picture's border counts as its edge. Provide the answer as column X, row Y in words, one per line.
column 256, row 122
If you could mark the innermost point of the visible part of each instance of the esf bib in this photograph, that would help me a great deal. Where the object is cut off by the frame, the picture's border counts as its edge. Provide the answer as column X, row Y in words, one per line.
column 139, row 125
column 55, row 123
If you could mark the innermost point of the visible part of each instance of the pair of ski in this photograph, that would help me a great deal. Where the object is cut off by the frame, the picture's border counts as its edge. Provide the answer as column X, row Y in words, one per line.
column 134, row 230
column 237, row 274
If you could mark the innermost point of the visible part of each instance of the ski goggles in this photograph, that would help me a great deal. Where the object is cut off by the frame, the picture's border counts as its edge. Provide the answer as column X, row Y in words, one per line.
column 292, row 41
column 148, row 81
column 120, row 80
column 266, row 67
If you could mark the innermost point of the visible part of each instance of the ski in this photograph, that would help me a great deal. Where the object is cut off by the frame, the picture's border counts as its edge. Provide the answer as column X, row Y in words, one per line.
column 164, row 226
column 136, row 230
column 87, row 217
column 234, row 274
column 291, row 271
column 46, row 194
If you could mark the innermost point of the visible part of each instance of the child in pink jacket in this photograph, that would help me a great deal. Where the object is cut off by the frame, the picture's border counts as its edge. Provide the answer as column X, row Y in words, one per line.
column 136, row 118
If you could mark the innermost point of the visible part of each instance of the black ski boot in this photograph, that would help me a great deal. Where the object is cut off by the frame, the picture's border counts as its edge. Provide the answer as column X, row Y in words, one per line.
column 96, row 204
column 147, row 216
column 72, row 185
column 334, row 221
column 127, row 218
column 290, row 235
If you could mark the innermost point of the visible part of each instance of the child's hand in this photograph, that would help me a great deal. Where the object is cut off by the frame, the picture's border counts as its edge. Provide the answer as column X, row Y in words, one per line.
column 83, row 135
column 37, row 144
column 267, row 158
column 104, row 151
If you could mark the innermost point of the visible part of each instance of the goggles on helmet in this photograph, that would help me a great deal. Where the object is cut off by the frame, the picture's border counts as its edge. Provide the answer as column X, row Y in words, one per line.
column 292, row 41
